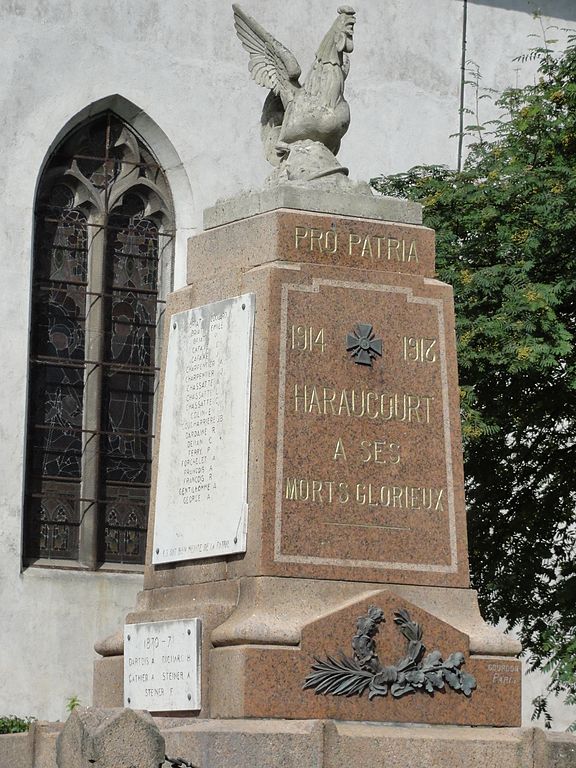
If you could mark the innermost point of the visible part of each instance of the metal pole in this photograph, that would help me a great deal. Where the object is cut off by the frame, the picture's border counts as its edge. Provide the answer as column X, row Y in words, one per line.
column 462, row 83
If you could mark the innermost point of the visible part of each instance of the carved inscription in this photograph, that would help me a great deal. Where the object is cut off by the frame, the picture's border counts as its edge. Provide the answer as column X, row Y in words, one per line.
column 364, row 448
column 504, row 674
column 371, row 247
column 420, row 350
column 401, row 497
column 306, row 338
column 201, row 489
column 202, row 412
column 360, row 403
column 162, row 665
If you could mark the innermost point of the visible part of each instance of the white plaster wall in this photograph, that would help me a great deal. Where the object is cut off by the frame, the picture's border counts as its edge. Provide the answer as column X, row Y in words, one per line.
column 497, row 36
column 534, row 684
column 180, row 63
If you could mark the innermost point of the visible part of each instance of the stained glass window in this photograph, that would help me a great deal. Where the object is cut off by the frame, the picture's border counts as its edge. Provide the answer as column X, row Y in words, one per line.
column 102, row 266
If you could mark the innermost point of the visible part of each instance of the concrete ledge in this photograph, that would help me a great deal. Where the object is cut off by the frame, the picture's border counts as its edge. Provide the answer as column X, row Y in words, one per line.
column 560, row 750
column 16, row 750
column 364, row 206
column 250, row 743
column 35, row 749
column 366, row 744
column 45, row 736
column 324, row 744
column 333, row 744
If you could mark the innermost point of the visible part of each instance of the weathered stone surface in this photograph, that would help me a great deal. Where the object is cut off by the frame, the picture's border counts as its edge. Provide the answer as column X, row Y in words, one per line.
column 359, row 745
column 34, row 749
column 108, row 687
column 559, row 749
column 110, row 738
column 310, row 162
column 45, row 736
column 298, row 197
column 323, row 744
column 16, row 750
column 318, row 239
column 254, row 743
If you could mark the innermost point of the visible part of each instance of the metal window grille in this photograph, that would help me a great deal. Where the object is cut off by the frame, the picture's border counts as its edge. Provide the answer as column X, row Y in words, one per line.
column 102, row 265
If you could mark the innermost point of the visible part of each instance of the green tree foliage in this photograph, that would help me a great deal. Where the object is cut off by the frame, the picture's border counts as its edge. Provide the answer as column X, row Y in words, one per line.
column 506, row 241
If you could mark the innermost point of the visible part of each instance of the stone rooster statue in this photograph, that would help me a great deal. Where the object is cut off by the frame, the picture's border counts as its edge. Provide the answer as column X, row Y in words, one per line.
column 302, row 125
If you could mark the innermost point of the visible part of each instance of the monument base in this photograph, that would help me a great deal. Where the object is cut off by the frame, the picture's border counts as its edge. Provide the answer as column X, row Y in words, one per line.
column 333, row 744
column 272, row 629
column 321, row 744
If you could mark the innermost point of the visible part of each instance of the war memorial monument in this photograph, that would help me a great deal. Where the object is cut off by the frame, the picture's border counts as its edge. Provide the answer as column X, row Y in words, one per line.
column 307, row 598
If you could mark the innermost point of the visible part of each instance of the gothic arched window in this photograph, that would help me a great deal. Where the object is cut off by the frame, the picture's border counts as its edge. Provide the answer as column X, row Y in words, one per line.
column 102, row 266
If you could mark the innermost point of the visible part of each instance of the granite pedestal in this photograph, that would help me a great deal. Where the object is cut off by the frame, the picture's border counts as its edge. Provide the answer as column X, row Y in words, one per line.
column 355, row 484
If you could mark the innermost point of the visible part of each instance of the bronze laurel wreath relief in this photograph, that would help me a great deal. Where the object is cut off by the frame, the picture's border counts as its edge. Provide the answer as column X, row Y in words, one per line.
column 347, row 676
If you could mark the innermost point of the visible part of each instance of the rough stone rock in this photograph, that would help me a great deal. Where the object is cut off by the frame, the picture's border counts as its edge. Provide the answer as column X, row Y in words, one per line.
column 109, row 738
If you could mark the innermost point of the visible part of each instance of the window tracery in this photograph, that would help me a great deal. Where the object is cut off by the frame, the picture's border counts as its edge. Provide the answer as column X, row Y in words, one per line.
column 102, row 265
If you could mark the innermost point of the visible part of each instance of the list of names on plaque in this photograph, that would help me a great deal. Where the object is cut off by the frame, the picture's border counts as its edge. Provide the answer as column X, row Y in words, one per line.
column 203, row 457
column 162, row 665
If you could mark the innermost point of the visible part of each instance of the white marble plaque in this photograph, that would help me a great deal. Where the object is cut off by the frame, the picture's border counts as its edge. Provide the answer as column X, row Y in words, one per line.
column 201, row 491
column 162, row 665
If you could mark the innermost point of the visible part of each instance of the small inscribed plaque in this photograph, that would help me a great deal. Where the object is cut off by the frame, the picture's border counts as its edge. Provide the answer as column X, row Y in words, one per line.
column 201, row 494
column 162, row 665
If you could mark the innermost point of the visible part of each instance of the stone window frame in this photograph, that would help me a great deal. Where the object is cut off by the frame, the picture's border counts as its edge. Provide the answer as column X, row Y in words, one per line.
column 98, row 206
